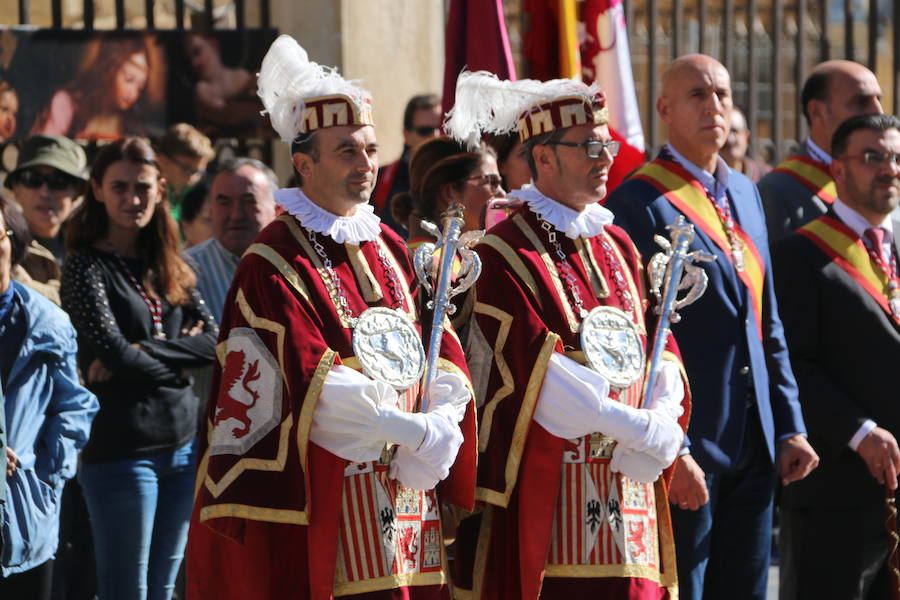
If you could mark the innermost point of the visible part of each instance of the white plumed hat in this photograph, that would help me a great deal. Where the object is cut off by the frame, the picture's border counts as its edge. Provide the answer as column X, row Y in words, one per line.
column 301, row 96
column 485, row 104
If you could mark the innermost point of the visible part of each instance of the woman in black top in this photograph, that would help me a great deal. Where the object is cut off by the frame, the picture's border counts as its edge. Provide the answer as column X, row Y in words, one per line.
column 140, row 323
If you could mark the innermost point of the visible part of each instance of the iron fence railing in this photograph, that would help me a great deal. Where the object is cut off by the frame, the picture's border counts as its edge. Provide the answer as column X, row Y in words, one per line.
column 769, row 47
column 203, row 11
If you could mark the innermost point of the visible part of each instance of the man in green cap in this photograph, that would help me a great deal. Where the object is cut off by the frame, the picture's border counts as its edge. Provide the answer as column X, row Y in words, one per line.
column 48, row 178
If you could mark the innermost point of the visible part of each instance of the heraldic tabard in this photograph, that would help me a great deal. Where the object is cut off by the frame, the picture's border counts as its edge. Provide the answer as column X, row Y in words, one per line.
column 554, row 514
column 283, row 517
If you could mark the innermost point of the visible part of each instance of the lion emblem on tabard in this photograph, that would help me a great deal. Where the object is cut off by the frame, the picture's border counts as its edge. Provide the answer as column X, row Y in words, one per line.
column 409, row 547
column 237, row 371
column 248, row 404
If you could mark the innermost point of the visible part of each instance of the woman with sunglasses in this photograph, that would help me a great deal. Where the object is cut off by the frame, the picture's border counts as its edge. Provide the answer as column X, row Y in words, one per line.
column 443, row 173
column 45, row 418
column 140, row 324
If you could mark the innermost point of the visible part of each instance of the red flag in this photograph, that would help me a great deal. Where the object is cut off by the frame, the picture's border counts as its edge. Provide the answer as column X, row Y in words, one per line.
column 477, row 41
column 540, row 39
column 550, row 36
column 605, row 59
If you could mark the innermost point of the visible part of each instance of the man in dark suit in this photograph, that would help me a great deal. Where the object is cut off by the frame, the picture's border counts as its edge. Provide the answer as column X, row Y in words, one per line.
column 800, row 189
column 839, row 293
column 746, row 418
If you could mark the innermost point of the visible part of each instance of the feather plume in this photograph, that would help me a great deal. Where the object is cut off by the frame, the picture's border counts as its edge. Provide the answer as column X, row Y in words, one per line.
column 485, row 104
column 288, row 78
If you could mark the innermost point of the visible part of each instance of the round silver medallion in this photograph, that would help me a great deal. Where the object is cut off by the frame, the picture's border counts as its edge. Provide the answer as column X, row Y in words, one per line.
column 612, row 346
column 388, row 347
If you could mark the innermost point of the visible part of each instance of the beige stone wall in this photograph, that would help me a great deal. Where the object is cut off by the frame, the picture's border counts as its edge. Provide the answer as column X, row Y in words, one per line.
column 395, row 47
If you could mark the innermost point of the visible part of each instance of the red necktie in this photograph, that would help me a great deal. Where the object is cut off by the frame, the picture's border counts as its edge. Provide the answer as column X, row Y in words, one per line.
column 875, row 235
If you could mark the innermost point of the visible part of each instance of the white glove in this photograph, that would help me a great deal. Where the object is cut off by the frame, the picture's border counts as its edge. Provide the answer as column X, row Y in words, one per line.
column 651, row 432
column 428, row 464
column 573, row 402
column 668, row 390
column 635, row 465
column 449, row 392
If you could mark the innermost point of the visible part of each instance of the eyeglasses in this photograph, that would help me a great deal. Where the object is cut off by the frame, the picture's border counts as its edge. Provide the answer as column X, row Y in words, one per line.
column 875, row 158
column 55, row 180
column 426, row 130
column 593, row 148
column 491, row 180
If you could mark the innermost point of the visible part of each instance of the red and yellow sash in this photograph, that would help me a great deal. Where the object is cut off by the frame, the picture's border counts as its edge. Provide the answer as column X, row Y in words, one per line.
column 814, row 175
column 687, row 195
column 849, row 252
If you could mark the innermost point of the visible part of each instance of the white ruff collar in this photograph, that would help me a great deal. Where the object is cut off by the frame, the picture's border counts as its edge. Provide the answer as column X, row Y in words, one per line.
column 587, row 223
column 362, row 226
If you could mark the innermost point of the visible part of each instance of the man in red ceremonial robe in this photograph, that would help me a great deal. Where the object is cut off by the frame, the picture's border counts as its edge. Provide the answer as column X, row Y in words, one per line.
column 572, row 504
column 317, row 478
column 801, row 189
column 838, row 288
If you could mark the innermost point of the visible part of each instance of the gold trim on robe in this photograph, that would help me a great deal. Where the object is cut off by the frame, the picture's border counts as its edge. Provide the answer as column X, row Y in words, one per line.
column 523, row 423
column 508, row 386
column 552, row 271
column 515, row 263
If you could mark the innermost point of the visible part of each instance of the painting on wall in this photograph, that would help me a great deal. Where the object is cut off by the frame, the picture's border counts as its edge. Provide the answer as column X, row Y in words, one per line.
column 97, row 86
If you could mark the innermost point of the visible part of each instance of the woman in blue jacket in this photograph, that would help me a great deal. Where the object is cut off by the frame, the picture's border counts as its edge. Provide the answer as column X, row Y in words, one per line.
column 47, row 420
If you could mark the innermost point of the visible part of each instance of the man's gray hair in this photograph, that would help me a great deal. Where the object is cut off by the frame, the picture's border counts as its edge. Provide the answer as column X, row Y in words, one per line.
column 231, row 165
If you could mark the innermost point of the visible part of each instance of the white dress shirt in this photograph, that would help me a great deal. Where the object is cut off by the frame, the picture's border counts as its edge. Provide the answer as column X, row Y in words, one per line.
column 817, row 153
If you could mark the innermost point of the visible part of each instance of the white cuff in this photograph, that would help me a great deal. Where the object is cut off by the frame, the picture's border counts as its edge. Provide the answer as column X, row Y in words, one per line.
column 347, row 414
column 569, row 402
column 864, row 430
column 401, row 427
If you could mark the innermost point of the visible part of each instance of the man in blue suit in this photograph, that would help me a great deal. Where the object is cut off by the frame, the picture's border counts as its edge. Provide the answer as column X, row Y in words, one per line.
column 746, row 420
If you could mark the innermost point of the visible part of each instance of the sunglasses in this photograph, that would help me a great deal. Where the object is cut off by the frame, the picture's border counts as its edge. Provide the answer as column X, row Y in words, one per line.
column 593, row 148
column 491, row 180
column 426, row 130
column 55, row 181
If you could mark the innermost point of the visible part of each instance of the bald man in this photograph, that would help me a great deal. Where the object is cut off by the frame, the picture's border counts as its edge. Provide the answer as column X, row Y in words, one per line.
column 801, row 188
column 746, row 422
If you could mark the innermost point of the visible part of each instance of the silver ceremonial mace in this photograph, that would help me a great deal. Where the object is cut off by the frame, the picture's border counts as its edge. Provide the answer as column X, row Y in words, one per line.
column 450, row 240
column 670, row 271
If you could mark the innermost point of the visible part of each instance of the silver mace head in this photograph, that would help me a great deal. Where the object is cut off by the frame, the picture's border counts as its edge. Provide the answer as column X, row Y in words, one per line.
column 450, row 238
column 692, row 278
